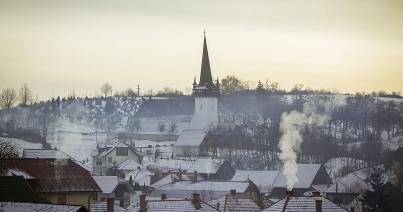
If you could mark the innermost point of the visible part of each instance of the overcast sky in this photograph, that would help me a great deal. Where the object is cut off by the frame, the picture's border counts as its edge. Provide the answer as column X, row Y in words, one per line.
column 56, row 46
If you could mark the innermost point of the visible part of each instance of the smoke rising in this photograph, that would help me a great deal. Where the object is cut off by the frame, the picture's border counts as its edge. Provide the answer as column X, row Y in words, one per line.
column 292, row 123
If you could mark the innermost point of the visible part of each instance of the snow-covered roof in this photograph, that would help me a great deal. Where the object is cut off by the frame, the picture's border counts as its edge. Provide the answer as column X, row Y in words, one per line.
column 107, row 183
column 102, row 207
column 201, row 165
column 235, row 203
column 18, row 172
column 45, row 153
column 118, row 144
column 33, row 207
column 129, row 165
column 263, row 179
column 305, row 174
column 141, row 176
column 304, row 204
column 354, row 182
column 191, row 137
column 176, row 206
column 207, row 186
column 207, row 189
column 170, row 178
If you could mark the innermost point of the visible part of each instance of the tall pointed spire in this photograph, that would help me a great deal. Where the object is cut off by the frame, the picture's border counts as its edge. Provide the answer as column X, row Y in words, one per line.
column 205, row 73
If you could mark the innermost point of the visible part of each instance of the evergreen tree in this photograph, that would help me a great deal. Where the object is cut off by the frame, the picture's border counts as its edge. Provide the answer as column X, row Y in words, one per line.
column 375, row 199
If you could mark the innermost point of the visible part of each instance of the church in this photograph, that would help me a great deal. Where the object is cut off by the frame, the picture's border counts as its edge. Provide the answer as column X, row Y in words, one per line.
column 205, row 115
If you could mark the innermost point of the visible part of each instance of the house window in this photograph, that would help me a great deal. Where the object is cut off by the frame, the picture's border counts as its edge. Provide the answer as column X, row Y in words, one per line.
column 121, row 151
column 99, row 161
column 61, row 198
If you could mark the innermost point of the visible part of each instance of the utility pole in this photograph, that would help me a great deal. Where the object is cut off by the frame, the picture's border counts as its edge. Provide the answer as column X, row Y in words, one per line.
column 138, row 90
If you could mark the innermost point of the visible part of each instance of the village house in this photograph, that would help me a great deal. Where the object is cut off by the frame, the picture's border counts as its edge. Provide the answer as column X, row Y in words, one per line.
column 114, row 187
column 59, row 181
column 110, row 157
column 189, row 143
column 195, row 203
column 307, row 174
column 305, row 203
column 35, row 207
column 234, row 201
column 207, row 168
column 208, row 190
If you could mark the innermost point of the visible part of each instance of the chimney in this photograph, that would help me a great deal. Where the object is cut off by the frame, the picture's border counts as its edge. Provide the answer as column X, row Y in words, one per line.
column 180, row 174
column 143, row 203
column 163, row 196
column 318, row 205
column 289, row 193
column 195, row 176
column 315, row 193
column 196, row 201
column 110, row 204
column 232, row 192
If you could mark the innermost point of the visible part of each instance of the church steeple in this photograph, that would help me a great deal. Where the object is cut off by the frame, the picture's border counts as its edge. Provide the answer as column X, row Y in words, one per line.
column 205, row 73
column 206, row 86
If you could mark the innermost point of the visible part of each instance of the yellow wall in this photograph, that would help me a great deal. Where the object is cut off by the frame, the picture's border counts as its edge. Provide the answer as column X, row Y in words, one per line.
column 72, row 198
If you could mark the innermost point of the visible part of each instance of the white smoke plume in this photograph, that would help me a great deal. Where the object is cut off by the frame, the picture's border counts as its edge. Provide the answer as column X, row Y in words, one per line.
column 291, row 123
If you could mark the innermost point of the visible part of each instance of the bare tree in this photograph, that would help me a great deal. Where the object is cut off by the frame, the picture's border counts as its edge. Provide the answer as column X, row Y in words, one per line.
column 7, row 98
column 7, row 149
column 25, row 95
column 106, row 89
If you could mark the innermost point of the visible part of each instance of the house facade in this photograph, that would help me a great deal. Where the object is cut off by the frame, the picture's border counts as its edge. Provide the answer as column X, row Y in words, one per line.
column 113, row 156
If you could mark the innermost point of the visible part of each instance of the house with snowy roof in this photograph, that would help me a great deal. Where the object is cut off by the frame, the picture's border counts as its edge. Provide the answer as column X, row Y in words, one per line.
column 112, row 156
column 59, row 181
column 305, row 204
column 195, row 203
column 207, row 189
column 114, row 187
column 189, row 143
column 207, row 168
column 234, row 201
column 307, row 175
column 263, row 179
column 34, row 207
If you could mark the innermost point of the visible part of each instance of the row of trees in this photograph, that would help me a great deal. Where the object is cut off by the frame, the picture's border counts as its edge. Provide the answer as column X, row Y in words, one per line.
column 9, row 97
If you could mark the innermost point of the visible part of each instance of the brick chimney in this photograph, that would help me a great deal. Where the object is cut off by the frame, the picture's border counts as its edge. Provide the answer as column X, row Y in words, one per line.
column 163, row 196
column 143, row 203
column 196, row 201
column 315, row 193
column 232, row 192
column 289, row 193
column 110, row 202
column 195, row 176
column 318, row 205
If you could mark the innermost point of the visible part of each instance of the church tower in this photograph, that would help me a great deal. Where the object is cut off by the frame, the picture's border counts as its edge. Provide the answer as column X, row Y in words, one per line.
column 206, row 95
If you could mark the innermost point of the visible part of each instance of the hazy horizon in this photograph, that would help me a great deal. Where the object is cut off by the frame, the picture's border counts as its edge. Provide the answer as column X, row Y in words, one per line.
column 58, row 46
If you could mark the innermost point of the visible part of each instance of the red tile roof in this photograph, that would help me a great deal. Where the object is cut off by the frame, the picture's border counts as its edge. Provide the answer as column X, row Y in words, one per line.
column 52, row 175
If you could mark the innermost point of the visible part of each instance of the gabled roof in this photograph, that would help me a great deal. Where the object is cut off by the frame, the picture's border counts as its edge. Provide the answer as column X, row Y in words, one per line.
column 119, row 144
column 33, row 207
column 107, row 183
column 263, row 179
column 177, row 206
column 129, row 165
column 102, row 207
column 304, row 204
column 45, row 153
column 235, row 202
column 191, row 137
column 305, row 174
column 201, row 165
column 53, row 175
column 170, row 178
column 141, row 176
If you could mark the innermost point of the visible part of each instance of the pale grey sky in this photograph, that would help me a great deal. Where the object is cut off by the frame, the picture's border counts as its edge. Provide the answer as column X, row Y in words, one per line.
column 56, row 46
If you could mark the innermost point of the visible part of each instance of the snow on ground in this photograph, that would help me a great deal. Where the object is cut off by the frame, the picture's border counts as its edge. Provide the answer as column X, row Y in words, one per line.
column 23, row 144
column 76, row 140
column 335, row 166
